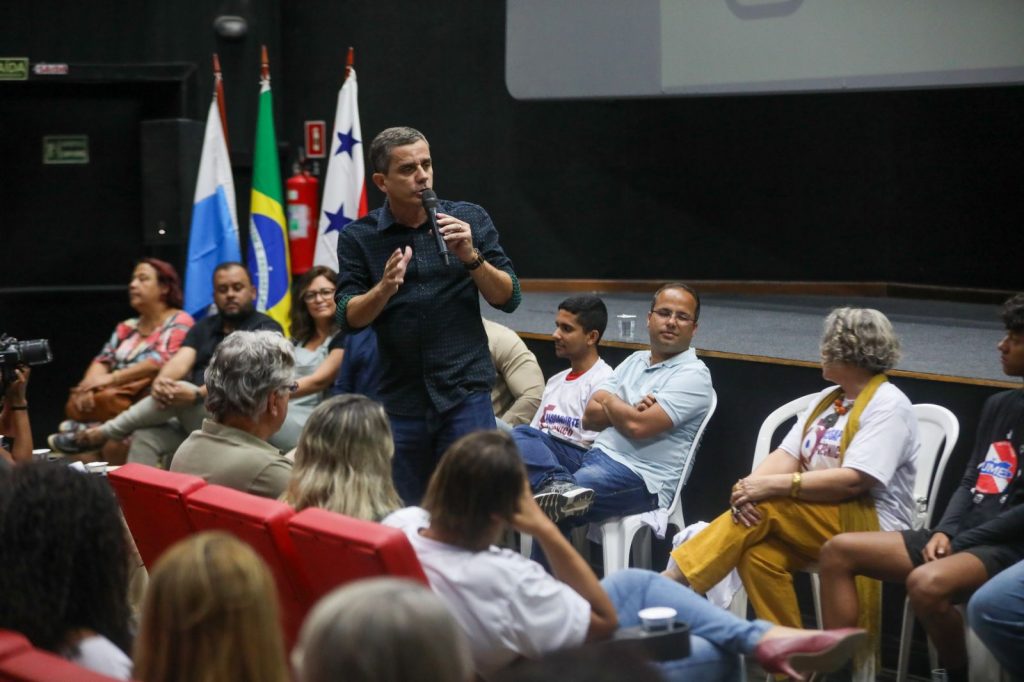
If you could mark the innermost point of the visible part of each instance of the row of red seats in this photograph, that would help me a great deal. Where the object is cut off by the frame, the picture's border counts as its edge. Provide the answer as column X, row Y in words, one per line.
column 309, row 553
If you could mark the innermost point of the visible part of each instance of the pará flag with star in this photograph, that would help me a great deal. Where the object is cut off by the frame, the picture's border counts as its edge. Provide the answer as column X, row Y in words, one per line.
column 269, row 261
column 213, row 237
column 345, row 186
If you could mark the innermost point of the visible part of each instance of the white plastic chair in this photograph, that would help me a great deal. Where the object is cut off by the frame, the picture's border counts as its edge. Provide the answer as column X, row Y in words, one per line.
column 937, row 432
column 617, row 533
column 762, row 447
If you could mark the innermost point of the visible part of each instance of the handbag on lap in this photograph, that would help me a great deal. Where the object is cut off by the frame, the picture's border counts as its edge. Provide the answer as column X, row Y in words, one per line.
column 108, row 402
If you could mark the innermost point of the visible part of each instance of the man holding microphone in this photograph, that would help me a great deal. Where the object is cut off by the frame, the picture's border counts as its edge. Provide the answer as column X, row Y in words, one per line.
column 421, row 295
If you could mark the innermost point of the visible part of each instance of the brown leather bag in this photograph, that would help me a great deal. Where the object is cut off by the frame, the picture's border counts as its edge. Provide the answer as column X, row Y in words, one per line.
column 108, row 402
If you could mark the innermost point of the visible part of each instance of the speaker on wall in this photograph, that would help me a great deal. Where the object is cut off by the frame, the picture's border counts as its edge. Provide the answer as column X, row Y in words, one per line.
column 170, row 151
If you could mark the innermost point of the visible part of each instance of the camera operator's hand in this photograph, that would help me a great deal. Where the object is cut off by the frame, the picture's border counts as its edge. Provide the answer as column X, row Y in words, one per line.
column 14, row 418
column 16, row 390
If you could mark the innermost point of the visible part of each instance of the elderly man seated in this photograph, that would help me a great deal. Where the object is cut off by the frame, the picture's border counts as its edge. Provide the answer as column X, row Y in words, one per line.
column 248, row 384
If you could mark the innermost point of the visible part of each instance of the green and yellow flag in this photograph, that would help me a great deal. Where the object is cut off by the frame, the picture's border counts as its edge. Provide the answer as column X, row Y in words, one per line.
column 269, row 261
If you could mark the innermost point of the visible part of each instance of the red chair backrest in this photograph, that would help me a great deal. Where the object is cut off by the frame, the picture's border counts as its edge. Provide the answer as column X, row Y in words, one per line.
column 335, row 549
column 263, row 524
column 153, row 502
column 12, row 642
column 36, row 665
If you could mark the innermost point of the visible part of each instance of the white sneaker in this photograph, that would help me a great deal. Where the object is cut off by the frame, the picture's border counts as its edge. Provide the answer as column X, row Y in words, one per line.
column 562, row 499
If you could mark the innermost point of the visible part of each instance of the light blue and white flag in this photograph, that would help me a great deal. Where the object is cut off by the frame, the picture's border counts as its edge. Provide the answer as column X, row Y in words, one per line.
column 213, row 238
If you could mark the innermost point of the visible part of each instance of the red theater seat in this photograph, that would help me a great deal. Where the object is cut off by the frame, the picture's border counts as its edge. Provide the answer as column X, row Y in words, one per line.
column 263, row 524
column 153, row 502
column 334, row 549
column 12, row 642
column 21, row 662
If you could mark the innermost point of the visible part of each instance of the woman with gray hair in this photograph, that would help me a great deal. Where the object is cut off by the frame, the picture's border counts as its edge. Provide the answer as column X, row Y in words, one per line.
column 248, row 382
column 381, row 630
column 847, row 464
column 343, row 460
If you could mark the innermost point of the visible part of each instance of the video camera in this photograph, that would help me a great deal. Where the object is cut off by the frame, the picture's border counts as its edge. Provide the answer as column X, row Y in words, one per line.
column 14, row 353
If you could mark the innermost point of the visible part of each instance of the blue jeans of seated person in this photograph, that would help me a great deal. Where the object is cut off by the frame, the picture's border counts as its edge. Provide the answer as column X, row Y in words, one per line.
column 420, row 441
column 717, row 637
column 618, row 491
column 996, row 614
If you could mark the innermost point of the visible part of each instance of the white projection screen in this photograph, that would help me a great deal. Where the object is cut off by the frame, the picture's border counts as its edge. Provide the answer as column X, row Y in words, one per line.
column 650, row 48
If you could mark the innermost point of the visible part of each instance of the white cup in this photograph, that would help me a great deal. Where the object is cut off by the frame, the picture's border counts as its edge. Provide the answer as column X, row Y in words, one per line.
column 627, row 325
column 657, row 618
column 97, row 468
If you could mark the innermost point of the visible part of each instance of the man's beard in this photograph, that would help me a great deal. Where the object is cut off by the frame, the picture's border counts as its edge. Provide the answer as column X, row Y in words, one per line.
column 243, row 312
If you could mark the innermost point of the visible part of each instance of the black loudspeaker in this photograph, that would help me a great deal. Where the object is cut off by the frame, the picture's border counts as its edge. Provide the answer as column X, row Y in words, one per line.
column 170, row 151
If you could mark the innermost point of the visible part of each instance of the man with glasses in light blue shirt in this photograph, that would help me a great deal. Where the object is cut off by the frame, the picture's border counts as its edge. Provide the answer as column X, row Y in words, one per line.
column 648, row 413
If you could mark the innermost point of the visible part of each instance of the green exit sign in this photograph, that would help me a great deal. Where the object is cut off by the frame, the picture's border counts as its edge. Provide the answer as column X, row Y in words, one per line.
column 62, row 149
column 13, row 68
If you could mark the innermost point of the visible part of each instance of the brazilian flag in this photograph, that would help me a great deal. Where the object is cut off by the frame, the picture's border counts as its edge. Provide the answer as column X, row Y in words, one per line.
column 269, row 261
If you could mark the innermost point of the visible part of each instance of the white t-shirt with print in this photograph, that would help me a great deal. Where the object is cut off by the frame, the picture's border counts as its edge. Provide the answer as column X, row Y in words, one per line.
column 507, row 605
column 884, row 447
column 564, row 402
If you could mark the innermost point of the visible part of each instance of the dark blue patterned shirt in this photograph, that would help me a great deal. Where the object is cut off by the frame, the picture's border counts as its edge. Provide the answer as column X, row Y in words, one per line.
column 433, row 349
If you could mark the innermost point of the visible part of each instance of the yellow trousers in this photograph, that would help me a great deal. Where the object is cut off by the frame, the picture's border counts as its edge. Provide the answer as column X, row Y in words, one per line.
column 788, row 537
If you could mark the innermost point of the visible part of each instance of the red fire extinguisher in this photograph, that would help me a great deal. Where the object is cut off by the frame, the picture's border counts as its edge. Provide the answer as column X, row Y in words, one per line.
column 302, row 190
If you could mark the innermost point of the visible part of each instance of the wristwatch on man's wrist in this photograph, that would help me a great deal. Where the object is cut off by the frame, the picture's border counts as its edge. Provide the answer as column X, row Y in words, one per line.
column 476, row 262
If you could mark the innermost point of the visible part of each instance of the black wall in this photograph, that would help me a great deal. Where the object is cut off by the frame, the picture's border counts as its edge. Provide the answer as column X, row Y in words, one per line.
column 911, row 186
column 914, row 186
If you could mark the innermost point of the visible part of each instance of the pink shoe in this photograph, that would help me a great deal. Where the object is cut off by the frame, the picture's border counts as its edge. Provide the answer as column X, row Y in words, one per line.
column 817, row 651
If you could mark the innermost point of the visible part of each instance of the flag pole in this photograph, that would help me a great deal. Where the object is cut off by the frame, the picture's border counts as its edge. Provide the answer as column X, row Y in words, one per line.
column 350, row 61
column 218, row 89
column 264, row 64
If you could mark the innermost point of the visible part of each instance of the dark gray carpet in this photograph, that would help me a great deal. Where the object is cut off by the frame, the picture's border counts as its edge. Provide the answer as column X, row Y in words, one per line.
column 954, row 339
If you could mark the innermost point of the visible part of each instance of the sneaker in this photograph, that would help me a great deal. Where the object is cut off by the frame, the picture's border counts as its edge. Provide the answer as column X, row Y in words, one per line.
column 562, row 499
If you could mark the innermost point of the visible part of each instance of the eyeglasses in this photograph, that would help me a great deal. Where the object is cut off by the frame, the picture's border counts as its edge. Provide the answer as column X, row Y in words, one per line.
column 291, row 388
column 312, row 295
column 665, row 314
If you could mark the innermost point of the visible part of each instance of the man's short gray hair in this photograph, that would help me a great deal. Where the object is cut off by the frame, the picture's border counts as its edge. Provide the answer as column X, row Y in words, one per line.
column 381, row 630
column 862, row 337
column 246, row 368
column 387, row 140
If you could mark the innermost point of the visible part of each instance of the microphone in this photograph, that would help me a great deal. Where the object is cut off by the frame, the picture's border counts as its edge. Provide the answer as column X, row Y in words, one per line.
column 430, row 204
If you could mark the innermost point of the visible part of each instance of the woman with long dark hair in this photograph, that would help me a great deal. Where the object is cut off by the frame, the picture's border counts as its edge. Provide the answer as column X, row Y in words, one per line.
column 65, row 572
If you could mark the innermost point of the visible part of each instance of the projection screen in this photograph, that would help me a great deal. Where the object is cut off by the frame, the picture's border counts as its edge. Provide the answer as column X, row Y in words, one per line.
column 650, row 48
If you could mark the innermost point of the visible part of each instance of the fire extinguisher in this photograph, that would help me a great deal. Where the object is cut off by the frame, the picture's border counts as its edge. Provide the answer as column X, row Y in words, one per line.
column 302, row 190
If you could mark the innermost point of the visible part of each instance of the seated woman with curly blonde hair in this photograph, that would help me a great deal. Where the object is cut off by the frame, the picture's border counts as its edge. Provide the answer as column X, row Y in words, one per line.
column 343, row 460
column 847, row 464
